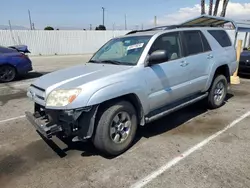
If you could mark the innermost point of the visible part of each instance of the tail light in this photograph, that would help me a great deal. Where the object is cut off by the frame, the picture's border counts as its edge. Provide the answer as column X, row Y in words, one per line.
column 22, row 55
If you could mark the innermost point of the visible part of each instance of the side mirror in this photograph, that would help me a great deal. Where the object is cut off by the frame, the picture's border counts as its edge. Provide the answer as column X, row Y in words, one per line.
column 158, row 56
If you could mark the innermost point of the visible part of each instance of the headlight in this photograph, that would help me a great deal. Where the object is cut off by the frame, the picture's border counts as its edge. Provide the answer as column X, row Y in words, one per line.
column 62, row 97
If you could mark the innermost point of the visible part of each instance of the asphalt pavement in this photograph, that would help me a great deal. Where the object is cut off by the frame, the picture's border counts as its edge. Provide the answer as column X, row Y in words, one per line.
column 193, row 147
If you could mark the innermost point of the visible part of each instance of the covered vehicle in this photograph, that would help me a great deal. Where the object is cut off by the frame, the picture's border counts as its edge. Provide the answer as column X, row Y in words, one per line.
column 244, row 64
column 14, row 62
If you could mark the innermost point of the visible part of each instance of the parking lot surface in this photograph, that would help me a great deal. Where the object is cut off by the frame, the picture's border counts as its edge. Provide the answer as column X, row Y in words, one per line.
column 175, row 151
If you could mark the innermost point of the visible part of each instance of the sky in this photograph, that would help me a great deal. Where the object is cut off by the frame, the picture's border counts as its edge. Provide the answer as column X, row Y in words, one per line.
column 81, row 13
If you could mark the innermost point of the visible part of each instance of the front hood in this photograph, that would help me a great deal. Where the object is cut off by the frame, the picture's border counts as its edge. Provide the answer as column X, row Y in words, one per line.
column 77, row 75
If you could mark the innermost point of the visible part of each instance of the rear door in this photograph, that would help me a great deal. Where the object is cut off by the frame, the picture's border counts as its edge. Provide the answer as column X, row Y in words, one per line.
column 225, row 52
column 199, row 57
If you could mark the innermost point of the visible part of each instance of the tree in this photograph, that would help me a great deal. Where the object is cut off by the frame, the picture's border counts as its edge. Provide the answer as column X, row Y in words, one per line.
column 100, row 27
column 210, row 7
column 217, row 2
column 202, row 6
column 224, row 8
column 48, row 28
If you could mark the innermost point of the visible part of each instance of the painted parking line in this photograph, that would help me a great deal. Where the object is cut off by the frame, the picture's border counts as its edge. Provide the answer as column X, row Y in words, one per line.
column 144, row 181
column 11, row 119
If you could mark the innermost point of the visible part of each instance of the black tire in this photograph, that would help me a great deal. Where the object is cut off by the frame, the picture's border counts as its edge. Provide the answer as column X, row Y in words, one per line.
column 7, row 73
column 102, row 139
column 212, row 102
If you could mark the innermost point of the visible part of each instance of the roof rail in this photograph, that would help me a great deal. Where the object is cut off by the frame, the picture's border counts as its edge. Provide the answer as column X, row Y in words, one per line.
column 169, row 27
column 153, row 29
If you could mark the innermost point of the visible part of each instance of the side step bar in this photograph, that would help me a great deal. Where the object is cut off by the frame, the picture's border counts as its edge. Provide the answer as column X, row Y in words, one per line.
column 170, row 110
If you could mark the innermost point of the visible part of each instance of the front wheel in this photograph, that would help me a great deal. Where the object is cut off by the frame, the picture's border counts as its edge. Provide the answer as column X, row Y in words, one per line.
column 218, row 92
column 7, row 73
column 116, row 128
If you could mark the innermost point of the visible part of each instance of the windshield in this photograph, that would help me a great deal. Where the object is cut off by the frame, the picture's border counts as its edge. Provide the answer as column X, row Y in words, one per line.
column 125, row 51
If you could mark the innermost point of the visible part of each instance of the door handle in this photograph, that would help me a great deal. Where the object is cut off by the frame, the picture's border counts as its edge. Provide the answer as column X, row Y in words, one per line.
column 210, row 56
column 184, row 63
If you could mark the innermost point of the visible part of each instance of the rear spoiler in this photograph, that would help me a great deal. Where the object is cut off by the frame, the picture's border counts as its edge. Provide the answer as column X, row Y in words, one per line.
column 20, row 48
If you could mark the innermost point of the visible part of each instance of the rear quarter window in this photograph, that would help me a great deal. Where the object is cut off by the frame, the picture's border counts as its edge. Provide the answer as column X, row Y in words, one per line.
column 222, row 37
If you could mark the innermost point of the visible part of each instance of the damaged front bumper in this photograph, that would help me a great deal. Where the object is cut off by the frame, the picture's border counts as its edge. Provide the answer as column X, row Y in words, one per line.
column 41, row 125
column 66, row 123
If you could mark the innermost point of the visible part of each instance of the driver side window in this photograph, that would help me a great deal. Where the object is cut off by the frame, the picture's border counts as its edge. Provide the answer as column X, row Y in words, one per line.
column 169, row 42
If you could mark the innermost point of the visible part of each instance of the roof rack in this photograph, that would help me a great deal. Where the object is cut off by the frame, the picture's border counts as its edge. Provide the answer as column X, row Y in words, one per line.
column 169, row 27
column 153, row 29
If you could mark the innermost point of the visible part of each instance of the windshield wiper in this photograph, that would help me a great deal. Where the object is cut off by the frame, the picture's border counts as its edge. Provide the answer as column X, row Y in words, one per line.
column 114, row 62
column 111, row 62
column 94, row 61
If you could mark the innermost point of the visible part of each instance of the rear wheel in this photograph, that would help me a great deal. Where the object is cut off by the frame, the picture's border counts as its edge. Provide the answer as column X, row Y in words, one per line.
column 116, row 128
column 7, row 73
column 218, row 92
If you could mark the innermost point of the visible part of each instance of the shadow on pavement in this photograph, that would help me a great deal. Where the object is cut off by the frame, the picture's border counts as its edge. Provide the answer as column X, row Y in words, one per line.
column 31, row 75
column 155, row 128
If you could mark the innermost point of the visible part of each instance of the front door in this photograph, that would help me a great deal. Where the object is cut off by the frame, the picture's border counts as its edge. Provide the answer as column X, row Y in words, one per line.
column 167, row 81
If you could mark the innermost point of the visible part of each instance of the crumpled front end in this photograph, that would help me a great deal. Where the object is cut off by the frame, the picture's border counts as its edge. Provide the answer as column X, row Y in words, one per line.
column 68, row 123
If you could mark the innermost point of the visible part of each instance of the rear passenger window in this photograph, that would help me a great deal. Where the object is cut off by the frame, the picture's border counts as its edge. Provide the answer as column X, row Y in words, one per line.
column 193, row 42
column 221, row 37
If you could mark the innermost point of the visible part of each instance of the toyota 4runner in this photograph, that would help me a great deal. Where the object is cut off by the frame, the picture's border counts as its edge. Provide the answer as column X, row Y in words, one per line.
column 130, row 81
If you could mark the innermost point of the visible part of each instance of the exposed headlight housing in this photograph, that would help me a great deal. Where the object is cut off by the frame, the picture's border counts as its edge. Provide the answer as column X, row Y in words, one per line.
column 62, row 97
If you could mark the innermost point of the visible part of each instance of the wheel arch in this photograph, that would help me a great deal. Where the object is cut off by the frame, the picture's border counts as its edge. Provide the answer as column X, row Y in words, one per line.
column 133, row 99
column 221, row 70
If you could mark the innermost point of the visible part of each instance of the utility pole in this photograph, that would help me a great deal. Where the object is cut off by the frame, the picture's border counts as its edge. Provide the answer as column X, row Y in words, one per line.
column 90, row 26
column 103, row 15
column 30, row 19
column 33, row 26
column 12, row 33
column 10, row 26
column 155, row 21
column 125, row 22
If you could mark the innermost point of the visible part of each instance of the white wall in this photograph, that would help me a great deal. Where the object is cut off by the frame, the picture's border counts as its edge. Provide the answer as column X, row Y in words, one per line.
column 42, row 42
column 58, row 42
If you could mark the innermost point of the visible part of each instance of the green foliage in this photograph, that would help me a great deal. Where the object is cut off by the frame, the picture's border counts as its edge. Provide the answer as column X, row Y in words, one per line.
column 48, row 28
column 100, row 27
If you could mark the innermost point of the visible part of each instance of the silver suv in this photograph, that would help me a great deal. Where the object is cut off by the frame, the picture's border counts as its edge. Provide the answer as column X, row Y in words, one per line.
column 130, row 81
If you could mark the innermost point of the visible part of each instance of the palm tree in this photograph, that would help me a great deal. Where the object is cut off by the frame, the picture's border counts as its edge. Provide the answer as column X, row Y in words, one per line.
column 217, row 2
column 202, row 6
column 223, row 12
column 210, row 7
